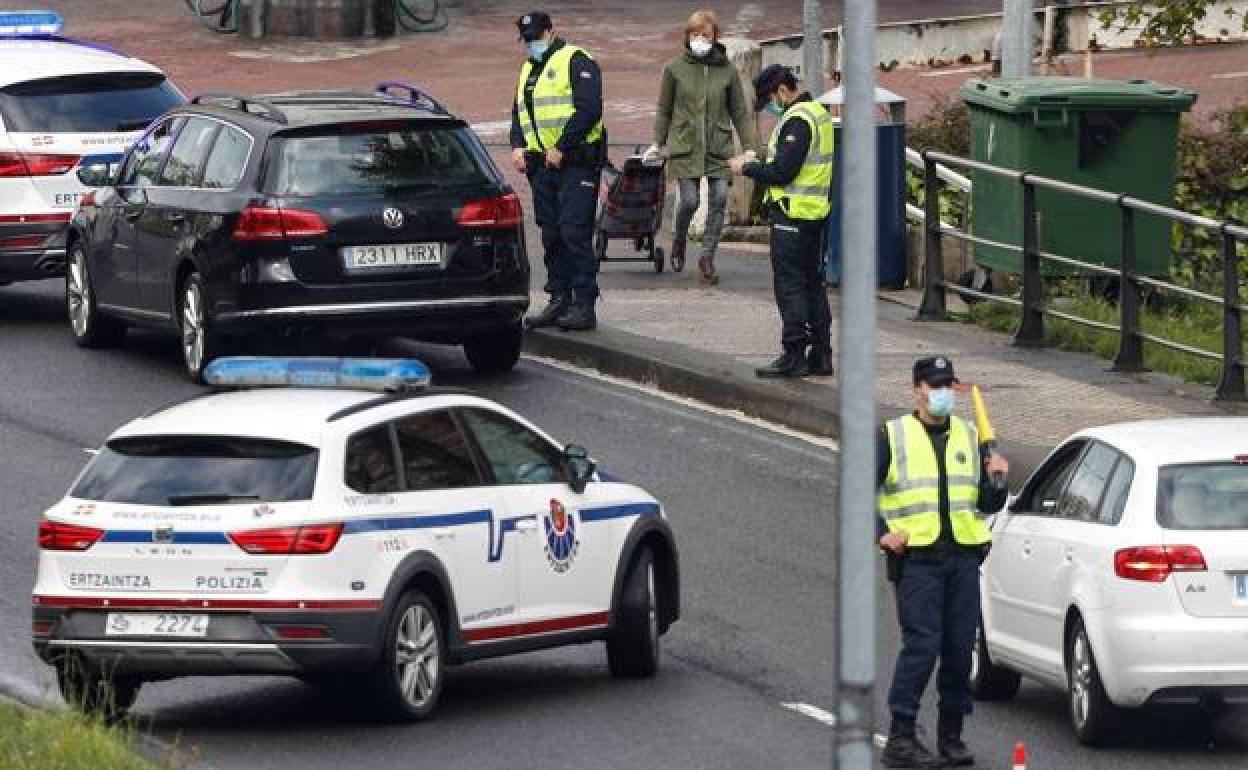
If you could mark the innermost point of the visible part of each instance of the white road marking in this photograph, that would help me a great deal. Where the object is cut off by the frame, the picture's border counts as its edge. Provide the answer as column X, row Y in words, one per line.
column 827, row 718
column 959, row 71
column 1229, row 75
column 650, row 390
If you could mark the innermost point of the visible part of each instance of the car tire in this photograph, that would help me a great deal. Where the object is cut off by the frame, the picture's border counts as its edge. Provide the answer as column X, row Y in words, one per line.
column 89, row 327
column 633, row 645
column 495, row 353
column 1092, row 715
column 406, row 682
column 90, row 690
column 989, row 681
column 199, row 340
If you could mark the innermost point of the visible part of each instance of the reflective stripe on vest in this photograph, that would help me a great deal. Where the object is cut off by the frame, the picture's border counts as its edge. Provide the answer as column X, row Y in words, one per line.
column 909, row 499
column 552, row 102
column 807, row 195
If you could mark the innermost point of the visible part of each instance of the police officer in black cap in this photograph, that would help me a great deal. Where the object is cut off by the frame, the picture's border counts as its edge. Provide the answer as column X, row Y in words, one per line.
column 558, row 140
column 798, row 181
column 935, row 483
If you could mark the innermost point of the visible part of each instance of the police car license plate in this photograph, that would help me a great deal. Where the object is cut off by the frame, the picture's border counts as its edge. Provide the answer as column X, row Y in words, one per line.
column 391, row 255
column 156, row 624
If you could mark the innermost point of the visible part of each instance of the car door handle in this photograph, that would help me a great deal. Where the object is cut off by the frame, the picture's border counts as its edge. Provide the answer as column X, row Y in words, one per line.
column 1068, row 554
column 1027, row 548
column 444, row 533
column 526, row 525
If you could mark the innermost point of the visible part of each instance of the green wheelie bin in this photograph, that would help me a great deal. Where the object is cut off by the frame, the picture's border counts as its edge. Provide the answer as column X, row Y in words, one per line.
column 1112, row 135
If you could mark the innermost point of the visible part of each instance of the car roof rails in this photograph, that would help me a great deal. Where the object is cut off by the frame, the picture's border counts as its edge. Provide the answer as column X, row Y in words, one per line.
column 248, row 104
column 415, row 96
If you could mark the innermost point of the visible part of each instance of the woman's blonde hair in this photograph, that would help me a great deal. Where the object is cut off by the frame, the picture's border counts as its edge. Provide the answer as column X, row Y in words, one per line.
column 699, row 19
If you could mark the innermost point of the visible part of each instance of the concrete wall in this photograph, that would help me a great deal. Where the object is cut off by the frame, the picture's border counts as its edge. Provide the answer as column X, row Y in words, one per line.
column 970, row 39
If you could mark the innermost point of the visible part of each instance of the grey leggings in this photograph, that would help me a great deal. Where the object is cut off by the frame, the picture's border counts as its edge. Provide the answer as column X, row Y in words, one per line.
column 690, row 199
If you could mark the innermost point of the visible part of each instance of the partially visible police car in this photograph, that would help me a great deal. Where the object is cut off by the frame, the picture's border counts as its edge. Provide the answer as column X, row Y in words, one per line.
column 65, row 104
column 357, row 539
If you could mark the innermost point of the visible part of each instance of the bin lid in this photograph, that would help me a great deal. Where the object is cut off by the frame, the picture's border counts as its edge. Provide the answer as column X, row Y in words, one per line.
column 1018, row 95
column 882, row 96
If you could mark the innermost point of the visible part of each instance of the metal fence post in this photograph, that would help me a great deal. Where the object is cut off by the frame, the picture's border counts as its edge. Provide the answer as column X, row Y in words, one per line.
column 1031, row 328
column 932, row 307
column 1130, row 356
column 1231, row 386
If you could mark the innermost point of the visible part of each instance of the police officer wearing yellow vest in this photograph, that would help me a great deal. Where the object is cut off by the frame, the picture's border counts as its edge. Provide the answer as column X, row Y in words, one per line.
column 798, row 180
column 934, row 483
column 558, row 140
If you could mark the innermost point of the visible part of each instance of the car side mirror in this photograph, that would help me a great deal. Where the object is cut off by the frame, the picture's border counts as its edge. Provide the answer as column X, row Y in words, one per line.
column 96, row 175
column 580, row 467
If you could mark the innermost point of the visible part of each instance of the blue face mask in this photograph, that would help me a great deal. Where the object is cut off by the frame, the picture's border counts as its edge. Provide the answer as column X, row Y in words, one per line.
column 537, row 49
column 774, row 109
column 940, row 402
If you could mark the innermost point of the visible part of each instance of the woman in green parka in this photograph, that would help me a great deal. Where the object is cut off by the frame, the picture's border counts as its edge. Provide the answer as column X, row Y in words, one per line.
column 700, row 102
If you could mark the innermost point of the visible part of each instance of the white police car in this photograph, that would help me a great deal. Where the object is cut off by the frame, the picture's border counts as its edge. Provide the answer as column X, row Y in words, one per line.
column 363, row 540
column 65, row 105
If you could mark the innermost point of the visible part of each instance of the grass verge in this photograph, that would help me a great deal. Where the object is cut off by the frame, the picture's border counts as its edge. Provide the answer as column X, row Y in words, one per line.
column 33, row 739
column 1197, row 326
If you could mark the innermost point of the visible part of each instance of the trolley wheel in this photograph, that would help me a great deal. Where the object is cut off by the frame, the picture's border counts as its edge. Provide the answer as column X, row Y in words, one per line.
column 600, row 245
column 657, row 256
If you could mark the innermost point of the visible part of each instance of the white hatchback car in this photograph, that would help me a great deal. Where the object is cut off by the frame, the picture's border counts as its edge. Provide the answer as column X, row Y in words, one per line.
column 65, row 105
column 1121, row 573
column 357, row 539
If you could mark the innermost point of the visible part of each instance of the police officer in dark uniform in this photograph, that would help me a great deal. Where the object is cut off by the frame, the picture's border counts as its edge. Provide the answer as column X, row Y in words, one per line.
column 935, row 481
column 798, row 181
column 559, row 142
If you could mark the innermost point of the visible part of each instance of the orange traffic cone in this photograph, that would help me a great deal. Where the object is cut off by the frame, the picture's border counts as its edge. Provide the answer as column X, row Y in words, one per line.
column 1020, row 756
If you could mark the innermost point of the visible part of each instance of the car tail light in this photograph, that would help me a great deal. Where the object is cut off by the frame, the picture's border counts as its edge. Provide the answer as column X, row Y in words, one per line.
column 503, row 211
column 1154, row 563
column 54, row 536
column 23, row 242
column 260, row 223
column 41, row 627
column 317, row 538
column 25, row 164
column 300, row 632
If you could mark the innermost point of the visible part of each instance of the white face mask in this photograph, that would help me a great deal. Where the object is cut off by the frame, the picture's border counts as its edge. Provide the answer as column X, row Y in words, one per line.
column 700, row 46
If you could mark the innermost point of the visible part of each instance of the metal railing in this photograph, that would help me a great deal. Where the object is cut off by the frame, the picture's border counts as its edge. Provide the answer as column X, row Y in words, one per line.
column 1130, row 354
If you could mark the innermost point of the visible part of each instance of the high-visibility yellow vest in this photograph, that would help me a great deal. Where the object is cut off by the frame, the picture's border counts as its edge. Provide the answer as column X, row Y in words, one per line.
column 808, row 193
column 552, row 101
column 909, row 500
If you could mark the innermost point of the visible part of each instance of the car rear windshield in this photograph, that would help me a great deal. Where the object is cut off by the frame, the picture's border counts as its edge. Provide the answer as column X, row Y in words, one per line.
column 1207, row 496
column 198, row 470
column 366, row 160
column 82, row 104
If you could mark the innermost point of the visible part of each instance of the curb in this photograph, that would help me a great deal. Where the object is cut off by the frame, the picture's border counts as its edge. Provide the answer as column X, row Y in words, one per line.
column 712, row 378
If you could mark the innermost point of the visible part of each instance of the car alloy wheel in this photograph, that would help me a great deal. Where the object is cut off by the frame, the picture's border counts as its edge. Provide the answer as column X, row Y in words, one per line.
column 193, row 327
column 418, row 657
column 988, row 680
column 90, row 328
column 633, row 647
column 1092, row 714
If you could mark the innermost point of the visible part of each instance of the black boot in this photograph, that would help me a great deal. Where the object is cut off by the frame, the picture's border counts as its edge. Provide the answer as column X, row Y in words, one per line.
column 579, row 317
column 949, row 741
column 820, row 361
column 791, row 364
column 556, row 306
column 678, row 254
column 904, row 750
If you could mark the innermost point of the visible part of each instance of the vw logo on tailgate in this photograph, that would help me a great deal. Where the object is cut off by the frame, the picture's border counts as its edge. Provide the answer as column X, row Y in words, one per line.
column 392, row 218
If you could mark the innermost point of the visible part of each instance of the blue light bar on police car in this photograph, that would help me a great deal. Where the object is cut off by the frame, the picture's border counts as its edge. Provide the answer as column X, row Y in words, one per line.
column 387, row 375
column 17, row 23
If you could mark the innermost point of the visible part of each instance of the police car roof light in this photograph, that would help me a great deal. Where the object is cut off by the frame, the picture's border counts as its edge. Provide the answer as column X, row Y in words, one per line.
column 30, row 23
column 414, row 94
column 385, row 375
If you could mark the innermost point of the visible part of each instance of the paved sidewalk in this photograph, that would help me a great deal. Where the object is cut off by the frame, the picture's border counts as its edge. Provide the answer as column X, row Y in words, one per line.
column 1037, row 397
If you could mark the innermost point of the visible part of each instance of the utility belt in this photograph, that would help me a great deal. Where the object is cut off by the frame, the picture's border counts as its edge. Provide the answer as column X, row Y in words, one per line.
column 592, row 156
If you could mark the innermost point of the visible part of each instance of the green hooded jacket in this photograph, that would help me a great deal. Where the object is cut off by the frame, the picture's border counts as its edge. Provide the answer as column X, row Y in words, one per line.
column 700, row 101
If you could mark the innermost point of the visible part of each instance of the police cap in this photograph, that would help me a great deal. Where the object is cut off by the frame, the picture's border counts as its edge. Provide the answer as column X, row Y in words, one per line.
column 936, row 371
column 766, row 82
column 532, row 25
